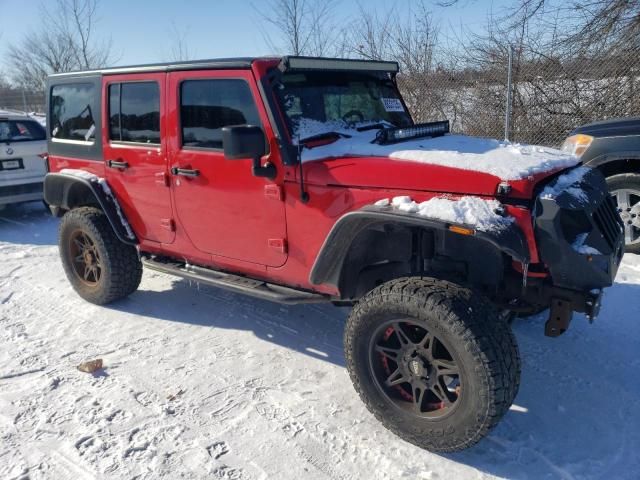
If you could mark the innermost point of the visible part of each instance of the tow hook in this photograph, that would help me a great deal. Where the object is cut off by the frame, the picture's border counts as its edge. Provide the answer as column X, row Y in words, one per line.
column 593, row 303
column 560, row 315
column 561, row 312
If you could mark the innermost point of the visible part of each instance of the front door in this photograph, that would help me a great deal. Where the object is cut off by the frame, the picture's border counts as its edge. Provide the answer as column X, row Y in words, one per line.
column 223, row 208
column 135, row 152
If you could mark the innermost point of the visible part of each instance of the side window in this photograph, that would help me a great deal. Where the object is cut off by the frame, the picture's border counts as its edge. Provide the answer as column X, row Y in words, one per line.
column 114, row 111
column 208, row 105
column 134, row 112
column 71, row 115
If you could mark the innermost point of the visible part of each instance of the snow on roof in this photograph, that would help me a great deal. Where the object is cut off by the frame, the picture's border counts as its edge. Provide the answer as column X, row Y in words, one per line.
column 473, row 211
column 508, row 161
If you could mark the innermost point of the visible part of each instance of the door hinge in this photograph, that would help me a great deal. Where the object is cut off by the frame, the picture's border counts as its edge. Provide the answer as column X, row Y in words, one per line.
column 274, row 191
column 168, row 224
column 279, row 244
column 163, row 179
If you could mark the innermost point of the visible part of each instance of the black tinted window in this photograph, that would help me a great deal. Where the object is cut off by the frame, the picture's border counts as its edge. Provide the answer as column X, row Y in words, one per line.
column 114, row 111
column 21, row 131
column 134, row 112
column 71, row 115
column 208, row 105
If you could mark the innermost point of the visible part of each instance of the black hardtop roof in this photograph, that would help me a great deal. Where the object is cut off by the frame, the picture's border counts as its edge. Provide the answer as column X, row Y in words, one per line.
column 212, row 63
column 236, row 63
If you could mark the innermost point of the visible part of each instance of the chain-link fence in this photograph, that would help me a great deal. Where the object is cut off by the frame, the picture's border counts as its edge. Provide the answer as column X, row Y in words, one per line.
column 21, row 100
column 549, row 96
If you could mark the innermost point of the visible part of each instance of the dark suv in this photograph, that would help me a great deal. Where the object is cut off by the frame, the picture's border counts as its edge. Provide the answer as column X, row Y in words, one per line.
column 304, row 180
column 613, row 147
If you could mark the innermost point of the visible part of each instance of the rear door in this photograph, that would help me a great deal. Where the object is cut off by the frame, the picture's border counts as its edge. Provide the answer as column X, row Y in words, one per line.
column 224, row 210
column 135, row 152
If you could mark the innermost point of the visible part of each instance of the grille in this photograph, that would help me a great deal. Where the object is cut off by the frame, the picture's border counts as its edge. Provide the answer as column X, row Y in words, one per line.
column 608, row 221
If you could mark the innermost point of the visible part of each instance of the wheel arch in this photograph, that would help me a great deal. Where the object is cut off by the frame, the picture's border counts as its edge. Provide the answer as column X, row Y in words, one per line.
column 64, row 192
column 368, row 247
column 614, row 163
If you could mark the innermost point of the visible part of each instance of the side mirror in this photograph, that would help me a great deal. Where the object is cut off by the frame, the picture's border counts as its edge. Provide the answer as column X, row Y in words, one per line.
column 247, row 141
column 243, row 141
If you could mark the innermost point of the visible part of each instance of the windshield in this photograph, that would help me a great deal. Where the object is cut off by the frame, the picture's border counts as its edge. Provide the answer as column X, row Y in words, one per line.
column 21, row 131
column 319, row 102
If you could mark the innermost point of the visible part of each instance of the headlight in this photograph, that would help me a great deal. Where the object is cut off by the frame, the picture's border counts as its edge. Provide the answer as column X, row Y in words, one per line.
column 577, row 144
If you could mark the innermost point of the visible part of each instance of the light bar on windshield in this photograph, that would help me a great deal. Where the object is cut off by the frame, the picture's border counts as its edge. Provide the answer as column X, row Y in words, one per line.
column 393, row 135
column 335, row 64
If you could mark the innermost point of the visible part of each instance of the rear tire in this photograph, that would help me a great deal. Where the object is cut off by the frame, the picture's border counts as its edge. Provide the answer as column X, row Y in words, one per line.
column 100, row 267
column 427, row 403
column 625, row 189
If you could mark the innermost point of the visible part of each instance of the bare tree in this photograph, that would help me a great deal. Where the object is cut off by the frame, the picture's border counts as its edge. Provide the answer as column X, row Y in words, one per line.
column 65, row 41
column 304, row 27
column 179, row 49
column 370, row 34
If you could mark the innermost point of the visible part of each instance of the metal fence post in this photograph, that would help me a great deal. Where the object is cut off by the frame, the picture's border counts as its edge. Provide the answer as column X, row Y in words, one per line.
column 24, row 101
column 507, row 113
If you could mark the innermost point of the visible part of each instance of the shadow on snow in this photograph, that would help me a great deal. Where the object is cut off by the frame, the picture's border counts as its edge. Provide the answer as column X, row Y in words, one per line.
column 577, row 402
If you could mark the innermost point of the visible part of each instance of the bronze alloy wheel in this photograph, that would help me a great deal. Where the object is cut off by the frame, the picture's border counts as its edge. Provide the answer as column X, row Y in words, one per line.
column 84, row 258
column 99, row 266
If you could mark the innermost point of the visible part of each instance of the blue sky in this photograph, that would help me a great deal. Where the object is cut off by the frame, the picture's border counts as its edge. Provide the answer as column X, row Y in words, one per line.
column 139, row 29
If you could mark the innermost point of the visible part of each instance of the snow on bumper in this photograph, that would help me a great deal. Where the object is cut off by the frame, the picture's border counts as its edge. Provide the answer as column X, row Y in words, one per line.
column 578, row 230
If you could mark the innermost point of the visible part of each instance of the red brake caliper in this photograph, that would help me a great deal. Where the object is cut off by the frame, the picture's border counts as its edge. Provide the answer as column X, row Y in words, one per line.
column 385, row 363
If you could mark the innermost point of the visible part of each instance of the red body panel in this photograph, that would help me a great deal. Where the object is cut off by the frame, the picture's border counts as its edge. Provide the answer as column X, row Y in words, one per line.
column 225, row 211
column 229, row 219
column 141, row 188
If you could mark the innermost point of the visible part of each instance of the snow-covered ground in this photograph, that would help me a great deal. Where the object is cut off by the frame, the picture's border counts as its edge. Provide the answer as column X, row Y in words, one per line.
column 201, row 383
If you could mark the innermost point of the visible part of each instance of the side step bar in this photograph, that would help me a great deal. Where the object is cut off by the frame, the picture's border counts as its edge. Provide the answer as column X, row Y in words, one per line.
column 234, row 283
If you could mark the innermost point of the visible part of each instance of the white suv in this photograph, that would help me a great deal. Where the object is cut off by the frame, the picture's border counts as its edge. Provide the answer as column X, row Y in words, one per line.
column 23, row 147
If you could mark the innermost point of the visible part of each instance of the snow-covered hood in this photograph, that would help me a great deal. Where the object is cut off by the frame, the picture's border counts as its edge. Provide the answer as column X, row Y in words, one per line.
column 451, row 163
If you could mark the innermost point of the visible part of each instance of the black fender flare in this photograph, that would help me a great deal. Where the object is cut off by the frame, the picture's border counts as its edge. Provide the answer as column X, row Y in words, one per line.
column 327, row 268
column 64, row 191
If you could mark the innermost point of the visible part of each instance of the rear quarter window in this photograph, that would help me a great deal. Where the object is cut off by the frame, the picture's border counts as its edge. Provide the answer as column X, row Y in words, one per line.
column 72, row 117
column 21, row 131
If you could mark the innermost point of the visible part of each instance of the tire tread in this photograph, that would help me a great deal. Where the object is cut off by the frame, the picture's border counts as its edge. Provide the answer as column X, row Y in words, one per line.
column 490, row 340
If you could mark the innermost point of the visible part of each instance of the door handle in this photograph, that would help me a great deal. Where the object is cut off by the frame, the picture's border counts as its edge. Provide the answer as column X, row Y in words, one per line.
column 119, row 164
column 185, row 172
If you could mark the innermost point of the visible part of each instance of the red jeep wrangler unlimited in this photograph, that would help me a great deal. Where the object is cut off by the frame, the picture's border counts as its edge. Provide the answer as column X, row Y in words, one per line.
column 304, row 180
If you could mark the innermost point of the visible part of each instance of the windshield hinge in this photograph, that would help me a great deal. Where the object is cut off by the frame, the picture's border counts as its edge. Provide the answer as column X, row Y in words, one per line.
column 304, row 196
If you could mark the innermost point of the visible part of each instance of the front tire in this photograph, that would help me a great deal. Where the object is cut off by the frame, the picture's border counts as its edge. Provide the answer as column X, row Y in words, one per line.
column 433, row 361
column 99, row 266
column 625, row 189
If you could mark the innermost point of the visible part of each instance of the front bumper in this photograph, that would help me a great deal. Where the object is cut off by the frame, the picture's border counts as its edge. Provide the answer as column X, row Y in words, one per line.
column 579, row 233
column 580, row 238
